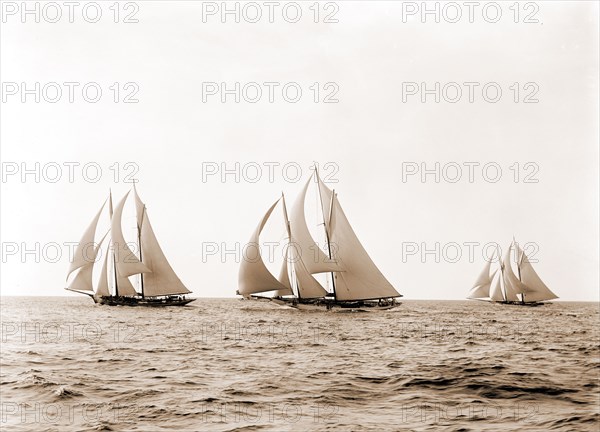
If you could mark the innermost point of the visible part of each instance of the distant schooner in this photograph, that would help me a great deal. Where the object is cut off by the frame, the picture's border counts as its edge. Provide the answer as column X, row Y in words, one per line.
column 159, row 285
column 356, row 282
column 504, row 286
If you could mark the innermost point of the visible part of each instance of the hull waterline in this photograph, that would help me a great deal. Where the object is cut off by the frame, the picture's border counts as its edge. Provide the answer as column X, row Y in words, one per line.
column 138, row 301
column 328, row 304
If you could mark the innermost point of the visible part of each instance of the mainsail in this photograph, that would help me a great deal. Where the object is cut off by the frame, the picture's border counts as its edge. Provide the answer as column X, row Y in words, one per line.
column 358, row 277
column 535, row 289
column 161, row 279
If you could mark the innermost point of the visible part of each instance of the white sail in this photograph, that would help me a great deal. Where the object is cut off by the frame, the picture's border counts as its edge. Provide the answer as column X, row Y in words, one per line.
column 161, row 280
column 536, row 289
column 83, row 279
column 127, row 262
column 496, row 293
column 254, row 277
column 481, row 288
column 311, row 254
column 360, row 279
column 308, row 286
column 512, row 285
column 102, row 289
column 125, row 287
column 284, row 278
column 86, row 247
column 326, row 199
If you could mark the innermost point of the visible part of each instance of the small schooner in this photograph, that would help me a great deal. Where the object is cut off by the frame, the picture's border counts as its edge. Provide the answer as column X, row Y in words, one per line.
column 356, row 282
column 504, row 286
column 158, row 283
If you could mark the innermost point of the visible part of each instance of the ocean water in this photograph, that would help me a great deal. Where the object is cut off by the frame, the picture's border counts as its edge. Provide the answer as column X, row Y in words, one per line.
column 225, row 365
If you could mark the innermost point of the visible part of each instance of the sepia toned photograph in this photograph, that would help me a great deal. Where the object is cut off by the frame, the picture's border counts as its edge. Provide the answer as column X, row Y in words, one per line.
column 355, row 215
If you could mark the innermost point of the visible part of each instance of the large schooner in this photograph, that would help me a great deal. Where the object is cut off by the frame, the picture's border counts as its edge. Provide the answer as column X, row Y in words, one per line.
column 504, row 286
column 158, row 283
column 356, row 282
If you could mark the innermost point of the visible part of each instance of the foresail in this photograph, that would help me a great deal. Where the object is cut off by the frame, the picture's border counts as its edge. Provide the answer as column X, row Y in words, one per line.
column 127, row 262
column 83, row 279
column 254, row 277
column 126, row 289
column 512, row 285
column 308, row 286
column 484, row 277
column 284, row 278
column 102, row 289
column 311, row 254
column 360, row 279
column 496, row 293
column 482, row 286
column 86, row 247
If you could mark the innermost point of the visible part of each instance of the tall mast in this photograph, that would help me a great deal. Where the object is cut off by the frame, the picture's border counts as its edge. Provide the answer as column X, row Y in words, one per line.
column 519, row 260
column 502, row 282
column 140, row 246
column 289, row 231
column 114, row 260
column 326, row 227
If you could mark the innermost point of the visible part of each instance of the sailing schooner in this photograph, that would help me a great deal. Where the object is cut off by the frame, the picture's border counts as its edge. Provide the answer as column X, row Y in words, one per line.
column 159, row 285
column 503, row 286
column 357, row 283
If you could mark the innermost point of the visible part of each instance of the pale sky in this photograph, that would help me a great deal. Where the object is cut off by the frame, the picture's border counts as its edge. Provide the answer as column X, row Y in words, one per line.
column 370, row 137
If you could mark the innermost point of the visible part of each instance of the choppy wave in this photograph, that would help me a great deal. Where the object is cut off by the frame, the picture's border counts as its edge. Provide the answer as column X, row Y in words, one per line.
column 228, row 365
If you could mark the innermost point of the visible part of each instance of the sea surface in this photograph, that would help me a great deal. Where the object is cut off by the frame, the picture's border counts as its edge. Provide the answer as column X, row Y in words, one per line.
column 231, row 365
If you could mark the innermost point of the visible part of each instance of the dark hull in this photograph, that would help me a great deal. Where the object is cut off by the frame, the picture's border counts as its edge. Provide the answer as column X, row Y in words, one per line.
column 331, row 304
column 518, row 303
column 138, row 301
